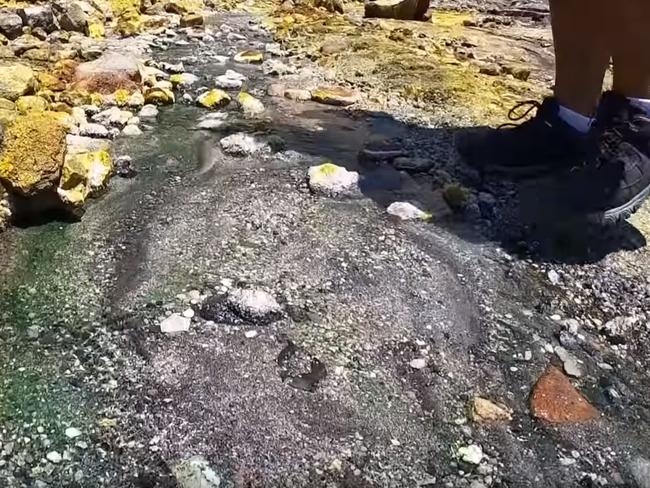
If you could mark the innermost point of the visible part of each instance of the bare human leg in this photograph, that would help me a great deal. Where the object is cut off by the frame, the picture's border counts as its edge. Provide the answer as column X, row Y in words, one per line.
column 582, row 51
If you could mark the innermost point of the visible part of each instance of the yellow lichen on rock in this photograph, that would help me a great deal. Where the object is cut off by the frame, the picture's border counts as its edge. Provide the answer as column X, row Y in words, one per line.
column 214, row 99
column 16, row 80
column 159, row 96
column 34, row 149
column 121, row 97
column 31, row 103
column 96, row 30
column 83, row 175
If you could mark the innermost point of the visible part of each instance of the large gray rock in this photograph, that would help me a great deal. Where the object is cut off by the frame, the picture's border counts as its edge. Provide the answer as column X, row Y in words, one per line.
column 38, row 16
column 396, row 9
column 11, row 25
column 74, row 18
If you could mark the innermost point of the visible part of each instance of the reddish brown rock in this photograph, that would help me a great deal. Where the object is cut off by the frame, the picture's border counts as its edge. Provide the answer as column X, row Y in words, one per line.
column 554, row 399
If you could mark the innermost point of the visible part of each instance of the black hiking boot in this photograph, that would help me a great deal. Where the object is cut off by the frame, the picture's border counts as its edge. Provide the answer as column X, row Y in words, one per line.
column 615, row 180
column 538, row 146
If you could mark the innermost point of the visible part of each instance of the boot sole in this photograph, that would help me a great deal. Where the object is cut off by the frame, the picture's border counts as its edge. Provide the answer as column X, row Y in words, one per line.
column 618, row 214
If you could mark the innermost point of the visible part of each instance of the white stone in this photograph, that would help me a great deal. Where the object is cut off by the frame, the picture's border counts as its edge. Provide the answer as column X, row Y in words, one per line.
column 175, row 323
column 54, row 457
column 407, row 211
column 254, row 303
column 93, row 130
column 242, row 144
column 132, row 130
column 72, row 432
column 189, row 313
column 230, row 80
column 331, row 180
column 472, row 454
column 148, row 112
column 249, row 334
column 418, row 363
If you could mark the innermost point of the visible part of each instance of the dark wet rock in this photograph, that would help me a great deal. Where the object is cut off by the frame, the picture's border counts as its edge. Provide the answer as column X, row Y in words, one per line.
column 415, row 165
column 124, row 167
column 11, row 25
column 487, row 204
column 252, row 306
column 38, row 16
column 299, row 369
column 74, row 18
column 396, row 9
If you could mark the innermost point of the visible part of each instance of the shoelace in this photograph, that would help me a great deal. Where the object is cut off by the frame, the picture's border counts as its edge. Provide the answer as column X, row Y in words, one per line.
column 515, row 117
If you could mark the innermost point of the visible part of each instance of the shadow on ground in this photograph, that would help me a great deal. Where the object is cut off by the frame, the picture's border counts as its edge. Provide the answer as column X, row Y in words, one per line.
column 519, row 218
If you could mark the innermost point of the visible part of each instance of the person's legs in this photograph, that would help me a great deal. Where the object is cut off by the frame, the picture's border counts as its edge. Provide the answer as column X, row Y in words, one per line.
column 582, row 51
column 631, row 49
column 557, row 136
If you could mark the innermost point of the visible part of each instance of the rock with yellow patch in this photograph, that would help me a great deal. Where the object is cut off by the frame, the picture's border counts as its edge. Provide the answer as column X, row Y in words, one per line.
column 31, row 103
column 335, row 95
column 121, row 97
column 484, row 411
column 159, row 96
column 7, row 116
column 250, row 105
column 34, row 149
column 250, row 57
column 84, row 175
column 129, row 23
column 183, row 79
column 214, row 99
column 47, row 81
column 333, row 181
column 16, row 80
column 181, row 7
column 96, row 30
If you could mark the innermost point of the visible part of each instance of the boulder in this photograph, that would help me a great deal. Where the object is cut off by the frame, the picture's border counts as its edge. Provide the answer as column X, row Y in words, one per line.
column 183, row 79
column 38, row 16
column 25, row 43
column 111, row 62
column 16, row 80
column 11, row 25
column 74, row 19
column 196, row 472
column 230, row 80
column 334, row 6
column 34, row 150
column 396, row 9
column 84, row 175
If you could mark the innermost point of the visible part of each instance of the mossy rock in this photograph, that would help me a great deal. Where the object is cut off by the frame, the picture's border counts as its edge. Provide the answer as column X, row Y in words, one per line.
column 159, row 96
column 16, row 80
column 84, row 175
column 456, row 196
column 31, row 103
column 34, row 149
column 250, row 57
column 214, row 99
